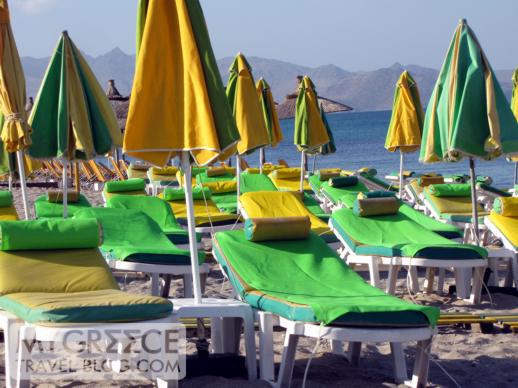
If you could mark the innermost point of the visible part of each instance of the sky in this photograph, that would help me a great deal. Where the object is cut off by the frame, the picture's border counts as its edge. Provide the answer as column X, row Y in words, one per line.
column 353, row 34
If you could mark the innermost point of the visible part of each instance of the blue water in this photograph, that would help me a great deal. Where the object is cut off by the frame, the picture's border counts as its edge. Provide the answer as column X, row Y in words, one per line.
column 360, row 140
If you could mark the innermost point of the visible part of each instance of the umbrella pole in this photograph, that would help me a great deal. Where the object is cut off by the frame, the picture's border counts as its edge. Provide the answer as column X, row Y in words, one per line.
column 302, row 170
column 314, row 164
column 11, row 181
column 474, row 199
column 65, row 188
column 23, row 183
column 186, row 167
column 261, row 159
column 401, row 159
column 515, row 173
column 238, row 175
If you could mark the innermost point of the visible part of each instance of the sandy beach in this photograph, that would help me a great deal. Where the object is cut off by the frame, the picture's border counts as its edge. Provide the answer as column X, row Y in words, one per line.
column 469, row 357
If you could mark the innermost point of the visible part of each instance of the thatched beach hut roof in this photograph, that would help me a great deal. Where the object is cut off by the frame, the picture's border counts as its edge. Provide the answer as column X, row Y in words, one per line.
column 286, row 109
column 120, row 104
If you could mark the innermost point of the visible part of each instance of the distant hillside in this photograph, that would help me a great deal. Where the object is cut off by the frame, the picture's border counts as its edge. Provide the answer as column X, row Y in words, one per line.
column 364, row 90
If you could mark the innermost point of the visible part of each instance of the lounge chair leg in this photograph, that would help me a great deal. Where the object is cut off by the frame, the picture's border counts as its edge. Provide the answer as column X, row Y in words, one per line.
column 374, row 273
column 288, row 360
column 414, row 281
column 231, row 333
column 23, row 379
column 266, row 364
column 429, row 280
column 476, row 289
column 392, row 279
column 353, row 353
column 187, row 286
column 514, row 268
column 398, row 355
column 462, row 278
column 337, row 347
column 440, row 280
column 492, row 263
column 508, row 280
column 11, row 328
column 155, row 284
column 420, row 373
column 250, row 348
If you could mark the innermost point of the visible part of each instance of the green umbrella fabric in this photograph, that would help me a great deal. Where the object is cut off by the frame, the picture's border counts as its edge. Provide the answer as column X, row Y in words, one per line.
column 329, row 148
column 468, row 114
column 72, row 117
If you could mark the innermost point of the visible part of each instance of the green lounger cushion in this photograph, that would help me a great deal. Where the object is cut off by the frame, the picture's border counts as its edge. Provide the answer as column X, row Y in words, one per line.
column 397, row 235
column 315, row 183
column 255, row 182
column 314, row 207
column 131, row 235
column 343, row 181
column 376, row 194
column 320, row 286
column 226, row 202
column 134, row 184
column 178, row 194
column 6, row 198
column 334, row 194
column 49, row 234
column 46, row 209
column 159, row 210
column 274, row 229
column 85, row 307
column 366, row 207
column 505, row 206
column 493, row 190
column 450, row 190
column 63, row 270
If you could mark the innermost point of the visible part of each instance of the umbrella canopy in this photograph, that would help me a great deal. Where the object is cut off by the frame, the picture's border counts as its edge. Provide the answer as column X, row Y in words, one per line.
column 406, row 123
column 141, row 22
column 15, row 132
column 271, row 119
column 514, row 99
column 310, row 130
column 178, row 101
column 178, row 104
column 244, row 102
column 330, row 147
column 72, row 117
column 468, row 114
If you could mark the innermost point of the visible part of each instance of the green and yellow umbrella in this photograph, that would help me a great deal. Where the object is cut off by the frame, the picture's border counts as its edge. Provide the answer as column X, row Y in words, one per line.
column 468, row 114
column 72, row 117
column 271, row 118
column 406, row 123
column 310, row 130
column 514, row 108
column 15, row 132
column 178, row 104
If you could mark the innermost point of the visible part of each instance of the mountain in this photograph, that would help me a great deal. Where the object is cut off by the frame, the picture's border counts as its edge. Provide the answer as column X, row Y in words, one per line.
column 363, row 90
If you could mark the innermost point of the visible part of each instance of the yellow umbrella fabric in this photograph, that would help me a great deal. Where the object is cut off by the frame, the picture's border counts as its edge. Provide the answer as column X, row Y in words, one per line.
column 406, row 124
column 514, row 99
column 15, row 132
column 181, row 92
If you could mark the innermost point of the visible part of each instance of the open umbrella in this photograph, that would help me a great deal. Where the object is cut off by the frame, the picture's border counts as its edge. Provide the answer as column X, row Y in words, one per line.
column 310, row 130
column 72, row 117
column 514, row 108
column 178, row 105
column 15, row 132
column 244, row 102
column 468, row 114
column 406, row 123
column 271, row 118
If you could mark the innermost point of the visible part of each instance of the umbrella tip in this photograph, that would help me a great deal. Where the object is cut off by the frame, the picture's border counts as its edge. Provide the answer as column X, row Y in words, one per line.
column 463, row 21
column 65, row 33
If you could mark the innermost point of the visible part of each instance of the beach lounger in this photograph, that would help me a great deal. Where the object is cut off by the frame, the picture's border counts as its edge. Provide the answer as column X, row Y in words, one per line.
column 303, row 286
column 332, row 192
column 50, row 205
column 207, row 216
column 162, row 177
column 368, row 176
column 223, row 194
column 273, row 204
column 138, row 171
column 375, row 233
column 7, row 209
column 453, row 206
column 502, row 222
column 267, row 169
column 55, row 281
column 133, row 186
column 133, row 242
column 216, row 174
column 159, row 210
column 288, row 179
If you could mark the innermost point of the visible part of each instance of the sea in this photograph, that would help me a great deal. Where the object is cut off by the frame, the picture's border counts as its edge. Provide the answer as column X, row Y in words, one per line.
column 360, row 140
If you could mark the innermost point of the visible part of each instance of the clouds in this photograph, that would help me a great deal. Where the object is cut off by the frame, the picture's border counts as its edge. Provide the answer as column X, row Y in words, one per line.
column 33, row 6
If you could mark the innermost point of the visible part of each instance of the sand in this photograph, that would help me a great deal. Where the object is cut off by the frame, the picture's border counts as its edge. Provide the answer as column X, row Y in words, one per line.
column 469, row 357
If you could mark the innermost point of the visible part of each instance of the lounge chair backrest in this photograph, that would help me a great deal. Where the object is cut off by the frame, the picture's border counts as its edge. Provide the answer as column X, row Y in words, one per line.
column 156, row 208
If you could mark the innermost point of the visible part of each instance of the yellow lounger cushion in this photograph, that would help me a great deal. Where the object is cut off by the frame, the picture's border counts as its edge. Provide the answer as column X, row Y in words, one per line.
column 280, row 204
column 8, row 214
column 507, row 225
column 270, row 229
column 221, row 187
